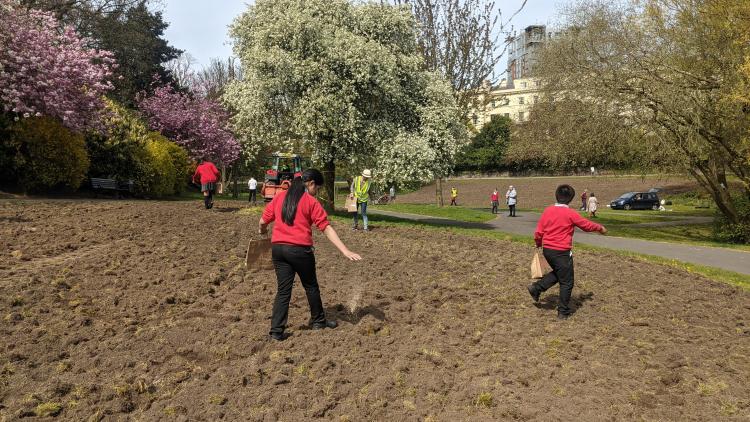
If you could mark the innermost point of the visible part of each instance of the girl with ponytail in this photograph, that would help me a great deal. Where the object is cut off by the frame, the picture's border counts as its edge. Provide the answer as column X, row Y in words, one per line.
column 295, row 211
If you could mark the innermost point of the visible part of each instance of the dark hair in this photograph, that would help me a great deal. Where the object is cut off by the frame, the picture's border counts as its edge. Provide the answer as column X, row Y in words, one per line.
column 295, row 192
column 564, row 194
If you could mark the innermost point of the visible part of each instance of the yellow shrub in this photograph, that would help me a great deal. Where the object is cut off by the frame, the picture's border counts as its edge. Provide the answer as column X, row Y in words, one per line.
column 47, row 154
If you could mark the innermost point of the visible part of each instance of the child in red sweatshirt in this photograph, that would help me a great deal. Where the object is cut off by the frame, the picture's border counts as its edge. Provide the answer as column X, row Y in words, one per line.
column 554, row 233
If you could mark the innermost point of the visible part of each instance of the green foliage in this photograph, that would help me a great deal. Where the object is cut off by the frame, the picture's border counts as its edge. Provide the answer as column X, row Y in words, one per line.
column 47, row 155
column 726, row 231
column 169, row 165
column 129, row 151
column 486, row 152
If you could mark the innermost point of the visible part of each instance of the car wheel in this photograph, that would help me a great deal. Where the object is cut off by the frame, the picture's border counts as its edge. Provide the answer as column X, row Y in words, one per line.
column 655, row 207
column 626, row 207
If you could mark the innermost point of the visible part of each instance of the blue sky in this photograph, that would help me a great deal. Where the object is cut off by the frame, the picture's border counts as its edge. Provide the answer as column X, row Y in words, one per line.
column 200, row 27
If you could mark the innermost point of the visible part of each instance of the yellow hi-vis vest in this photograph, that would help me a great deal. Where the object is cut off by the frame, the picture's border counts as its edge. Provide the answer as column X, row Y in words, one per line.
column 361, row 189
column 454, row 193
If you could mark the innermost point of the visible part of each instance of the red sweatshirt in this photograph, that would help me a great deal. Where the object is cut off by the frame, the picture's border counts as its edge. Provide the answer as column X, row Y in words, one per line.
column 556, row 226
column 309, row 212
column 206, row 173
column 494, row 196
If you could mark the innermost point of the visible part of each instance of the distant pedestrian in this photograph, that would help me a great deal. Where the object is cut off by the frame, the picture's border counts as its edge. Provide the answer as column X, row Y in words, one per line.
column 593, row 171
column 392, row 194
column 584, row 200
column 495, row 199
column 593, row 205
column 207, row 175
column 454, row 196
column 554, row 234
column 360, row 190
column 252, row 186
column 294, row 212
column 511, row 198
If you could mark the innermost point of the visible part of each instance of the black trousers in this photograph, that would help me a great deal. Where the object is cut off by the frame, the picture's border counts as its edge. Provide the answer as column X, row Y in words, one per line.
column 512, row 210
column 562, row 272
column 252, row 197
column 208, row 200
column 289, row 260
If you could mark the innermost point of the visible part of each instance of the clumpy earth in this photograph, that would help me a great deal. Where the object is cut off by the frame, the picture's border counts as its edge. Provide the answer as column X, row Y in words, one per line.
column 540, row 192
column 134, row 310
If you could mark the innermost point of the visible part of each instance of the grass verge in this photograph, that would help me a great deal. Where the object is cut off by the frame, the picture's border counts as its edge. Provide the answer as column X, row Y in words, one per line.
column 471, row 215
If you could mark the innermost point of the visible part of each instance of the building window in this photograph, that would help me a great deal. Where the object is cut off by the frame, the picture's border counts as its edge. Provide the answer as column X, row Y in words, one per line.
column 538, row 83
column 521, row 100
column 507, row 115
column 536, row 99
column 492, row 104
column 520, row 115
column 523, row 84
column 494, row 117
column 475, row 119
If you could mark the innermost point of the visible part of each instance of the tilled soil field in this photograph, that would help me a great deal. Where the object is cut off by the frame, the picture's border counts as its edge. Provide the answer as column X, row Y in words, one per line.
column 540, row 192
column 119, row 310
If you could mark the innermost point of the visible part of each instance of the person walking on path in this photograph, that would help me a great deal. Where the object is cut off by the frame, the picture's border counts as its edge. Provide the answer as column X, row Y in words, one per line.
column 495, row 199
column 454, row 196
column 252, row 186
column 295, row 211
column 206, row 174
column 360, row 189
column 585, row 200
column 593, row 205
column 554, row 234
column 392, row 194
column 511, row 197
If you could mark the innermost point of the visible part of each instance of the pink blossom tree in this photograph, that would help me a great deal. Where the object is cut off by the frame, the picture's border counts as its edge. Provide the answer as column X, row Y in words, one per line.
column 199, row 125
column 48, row 69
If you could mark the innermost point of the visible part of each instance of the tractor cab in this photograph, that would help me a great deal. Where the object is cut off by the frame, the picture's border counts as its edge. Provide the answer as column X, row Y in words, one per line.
column 282, row 168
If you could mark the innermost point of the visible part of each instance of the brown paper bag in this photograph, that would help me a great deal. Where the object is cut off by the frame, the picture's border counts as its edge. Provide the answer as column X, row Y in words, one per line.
column 219, row 188
column 259, row 255
column 351, row 204
column 539, row 265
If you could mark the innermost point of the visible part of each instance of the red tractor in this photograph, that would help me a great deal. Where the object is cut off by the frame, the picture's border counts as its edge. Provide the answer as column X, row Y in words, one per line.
column 283, row 168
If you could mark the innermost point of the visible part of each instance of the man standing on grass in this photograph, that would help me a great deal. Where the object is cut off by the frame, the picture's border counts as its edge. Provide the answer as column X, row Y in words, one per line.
column 207, row 175
column 454, row 196
column 360, row 190
column 252, row 186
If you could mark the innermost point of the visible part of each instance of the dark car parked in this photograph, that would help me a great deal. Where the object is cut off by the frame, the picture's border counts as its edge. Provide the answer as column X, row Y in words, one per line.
column 636, row 201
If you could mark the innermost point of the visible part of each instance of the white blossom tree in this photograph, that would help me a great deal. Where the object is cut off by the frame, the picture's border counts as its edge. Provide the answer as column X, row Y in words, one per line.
column 345, row 83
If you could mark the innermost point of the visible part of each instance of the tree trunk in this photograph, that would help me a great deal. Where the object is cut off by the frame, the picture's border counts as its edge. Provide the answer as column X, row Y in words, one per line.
column 235, row 175
column 329, row 176
column 719, row 192
column 439, row 192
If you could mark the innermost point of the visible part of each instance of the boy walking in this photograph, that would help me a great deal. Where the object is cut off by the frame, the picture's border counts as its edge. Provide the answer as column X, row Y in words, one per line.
column 554, row 234
column 454, row 196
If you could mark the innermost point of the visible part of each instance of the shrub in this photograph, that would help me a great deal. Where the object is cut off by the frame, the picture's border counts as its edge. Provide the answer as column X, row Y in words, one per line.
column 47, row 154
column 726, row 231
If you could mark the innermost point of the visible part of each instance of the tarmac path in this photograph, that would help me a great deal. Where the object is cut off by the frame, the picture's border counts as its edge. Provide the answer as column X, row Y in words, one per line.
column 525, row 224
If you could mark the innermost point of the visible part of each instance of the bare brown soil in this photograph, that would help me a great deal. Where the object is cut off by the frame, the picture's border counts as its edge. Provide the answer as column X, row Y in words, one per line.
column 122, row 310
column 540, row 192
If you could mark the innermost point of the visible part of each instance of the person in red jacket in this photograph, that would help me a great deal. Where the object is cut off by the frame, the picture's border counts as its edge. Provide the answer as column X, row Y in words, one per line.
column 207, row 175
column 494, row 198
column 554, row 233
column 295, row 211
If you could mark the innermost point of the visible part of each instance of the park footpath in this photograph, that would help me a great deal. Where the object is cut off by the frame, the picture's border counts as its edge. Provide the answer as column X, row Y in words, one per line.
column 525, row 225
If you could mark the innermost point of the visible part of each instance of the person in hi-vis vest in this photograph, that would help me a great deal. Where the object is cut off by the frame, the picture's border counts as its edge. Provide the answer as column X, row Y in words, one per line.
column 454, row 196
column 360, row 189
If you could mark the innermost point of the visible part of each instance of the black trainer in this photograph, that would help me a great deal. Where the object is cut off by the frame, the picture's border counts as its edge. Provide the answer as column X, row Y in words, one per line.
column 321, row 325
column 562, row 317
column 533, row 292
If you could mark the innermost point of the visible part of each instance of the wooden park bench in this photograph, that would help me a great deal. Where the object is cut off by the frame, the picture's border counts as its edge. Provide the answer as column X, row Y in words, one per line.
column 110, row 185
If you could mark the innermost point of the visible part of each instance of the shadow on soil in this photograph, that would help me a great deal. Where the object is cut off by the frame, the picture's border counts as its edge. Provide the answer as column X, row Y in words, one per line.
column 341, row 313
column 550, row 302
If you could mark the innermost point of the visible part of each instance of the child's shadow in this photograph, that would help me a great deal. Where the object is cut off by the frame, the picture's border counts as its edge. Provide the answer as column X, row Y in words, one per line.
column 550, row 302
column 342, row 313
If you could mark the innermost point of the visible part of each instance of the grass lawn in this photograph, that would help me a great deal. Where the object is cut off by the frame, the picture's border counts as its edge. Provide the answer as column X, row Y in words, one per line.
column 471, row 215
